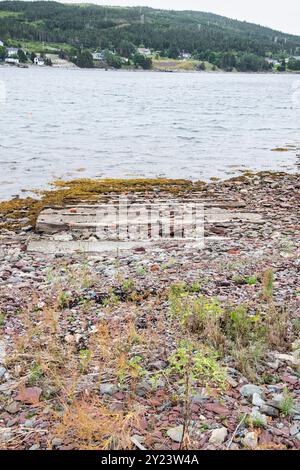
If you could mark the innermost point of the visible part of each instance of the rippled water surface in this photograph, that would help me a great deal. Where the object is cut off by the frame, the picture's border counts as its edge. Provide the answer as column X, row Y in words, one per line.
column 75, row 123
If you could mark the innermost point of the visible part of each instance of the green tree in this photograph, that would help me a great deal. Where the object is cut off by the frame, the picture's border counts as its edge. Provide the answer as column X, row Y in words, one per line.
column 85, row 60
column 294, row 64
column 228, row 61
column 252, row 63
column 126, row 48
column 173, row 52
column 282, row 66
column 22, row 56
column 140, row 60
column 2, row 53
column 112, row 60
column 32, row 56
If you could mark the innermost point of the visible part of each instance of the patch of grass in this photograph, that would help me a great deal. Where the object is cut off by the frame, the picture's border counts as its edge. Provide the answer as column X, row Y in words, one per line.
column 63, row 300
column 254, row 422
column 93, row 426
column 287, row 404
column 36, row 374
column 2, row 318
column 251, row 280
column 234, row 331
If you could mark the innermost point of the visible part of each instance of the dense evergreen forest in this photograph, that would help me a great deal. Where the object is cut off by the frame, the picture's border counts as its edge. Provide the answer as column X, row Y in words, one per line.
column 77, row 30
column 92, row 26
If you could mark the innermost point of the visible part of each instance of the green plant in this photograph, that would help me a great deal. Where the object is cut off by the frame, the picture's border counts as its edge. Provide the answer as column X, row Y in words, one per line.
column 63, row 300
column 36, row 374
column 277, row 322
column 251, row 280
column 195, row 287
column 254, row 422
column 85, row 357
column 129, row 368
column 194, row 367
column 111, row 300
column 248, row 357
column 240, row 326
column 141, row 271
column 201, row 315
column 127, row 285
column 2, row 318
column 286, row 404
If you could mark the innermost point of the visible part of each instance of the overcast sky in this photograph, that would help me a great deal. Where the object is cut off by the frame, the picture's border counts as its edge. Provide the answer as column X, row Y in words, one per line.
column 281, row 15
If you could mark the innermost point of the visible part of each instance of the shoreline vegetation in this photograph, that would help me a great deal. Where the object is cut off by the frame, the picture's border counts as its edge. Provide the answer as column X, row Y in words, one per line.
column 165, row 346
column 156, row 68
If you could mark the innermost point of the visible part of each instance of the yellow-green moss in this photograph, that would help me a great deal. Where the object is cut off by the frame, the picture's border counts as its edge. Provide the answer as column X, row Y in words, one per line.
column 89, row 190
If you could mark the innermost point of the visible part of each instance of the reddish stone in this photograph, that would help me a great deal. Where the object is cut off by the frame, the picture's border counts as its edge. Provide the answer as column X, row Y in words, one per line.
column 290, row 379
column 143, row 424
column 233, row 252
column 154, row 268
column 265, row 438
column 217, row 409
column 30, row 395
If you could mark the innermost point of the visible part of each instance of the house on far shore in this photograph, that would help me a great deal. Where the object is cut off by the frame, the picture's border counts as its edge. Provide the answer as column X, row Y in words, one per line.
column 185, row 55
column 272, row 61
column 144, row 51
column 12, row 52
column 12, row 60
column 1, row 43
column 38, row 61
column 98, row 56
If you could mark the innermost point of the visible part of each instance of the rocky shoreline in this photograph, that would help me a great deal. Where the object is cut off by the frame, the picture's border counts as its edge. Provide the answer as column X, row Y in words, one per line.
column 166, row 346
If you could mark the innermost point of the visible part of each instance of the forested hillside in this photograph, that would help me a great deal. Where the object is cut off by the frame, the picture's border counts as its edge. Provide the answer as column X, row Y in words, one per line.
column 92, row 26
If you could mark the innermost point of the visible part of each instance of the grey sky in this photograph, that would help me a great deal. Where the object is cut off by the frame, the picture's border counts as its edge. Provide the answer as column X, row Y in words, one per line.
column 281, row 15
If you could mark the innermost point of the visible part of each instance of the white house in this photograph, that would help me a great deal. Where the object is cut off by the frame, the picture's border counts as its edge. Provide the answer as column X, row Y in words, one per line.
column 38, row 61
column 185, row 55
column 12, row 51
column 144, row 51
column 98, row 55
column 1, row 43
column 12, row 60
column 272, row 61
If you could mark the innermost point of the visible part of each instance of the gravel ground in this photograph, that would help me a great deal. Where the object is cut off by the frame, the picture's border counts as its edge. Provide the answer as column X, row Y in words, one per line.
column 87, row 342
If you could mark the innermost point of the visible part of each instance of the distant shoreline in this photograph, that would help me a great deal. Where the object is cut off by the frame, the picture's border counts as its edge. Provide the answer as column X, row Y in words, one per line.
column 74, row 67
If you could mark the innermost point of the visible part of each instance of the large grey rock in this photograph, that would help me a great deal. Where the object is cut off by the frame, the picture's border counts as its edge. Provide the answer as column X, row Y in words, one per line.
column 108, row 389
column 295, row 429
column 175, row 433
column 270, row 411
column 2, row 371
column 218, row 436
column 257, row 400
column 6, row 436
column 248, row 391
column 2, row 352
column 56, row 442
